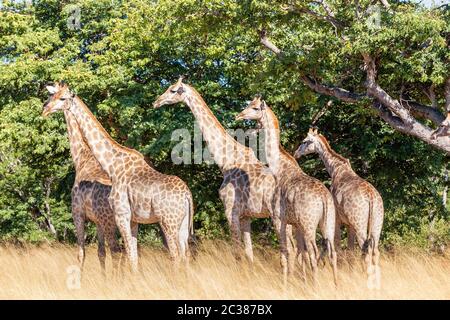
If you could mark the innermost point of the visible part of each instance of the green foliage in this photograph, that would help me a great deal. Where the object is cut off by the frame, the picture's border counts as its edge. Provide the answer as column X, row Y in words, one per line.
column 127, row 52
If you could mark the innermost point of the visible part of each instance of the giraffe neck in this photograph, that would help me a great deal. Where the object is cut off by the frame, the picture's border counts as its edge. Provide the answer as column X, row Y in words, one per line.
column 86, row 166
column 277, row 158
column 334, row 162
column 226, row 151
column 108, row 152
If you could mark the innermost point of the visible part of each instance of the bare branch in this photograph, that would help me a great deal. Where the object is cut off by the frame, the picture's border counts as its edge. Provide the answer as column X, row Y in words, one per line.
column 427, row 112
column 329, row 17
column 396, row 114
column 321, row 112
column 386, row 4
column 267, row 43
column 339, row 93
column 375, row 91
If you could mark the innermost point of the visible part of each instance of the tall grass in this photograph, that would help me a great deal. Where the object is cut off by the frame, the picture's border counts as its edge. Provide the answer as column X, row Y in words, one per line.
column 42, row 273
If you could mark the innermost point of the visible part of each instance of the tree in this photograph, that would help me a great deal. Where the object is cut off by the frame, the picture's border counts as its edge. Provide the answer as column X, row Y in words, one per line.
column 298, row 55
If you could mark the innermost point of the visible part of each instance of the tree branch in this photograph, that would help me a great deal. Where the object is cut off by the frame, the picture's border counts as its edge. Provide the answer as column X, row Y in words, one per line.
column 267, row 43
column 332, row 91
column 426, row 112
column 329, row 17
column 388, row 108
column 375, row 91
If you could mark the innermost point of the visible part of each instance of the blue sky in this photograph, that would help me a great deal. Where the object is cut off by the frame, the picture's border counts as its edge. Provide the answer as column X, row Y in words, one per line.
column 429, row 3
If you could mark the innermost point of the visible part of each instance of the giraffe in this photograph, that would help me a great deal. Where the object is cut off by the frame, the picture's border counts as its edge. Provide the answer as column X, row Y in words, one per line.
column 90, row 194
column 139, row 193
column 248, row 186
column 305, row 202
column 358, row 203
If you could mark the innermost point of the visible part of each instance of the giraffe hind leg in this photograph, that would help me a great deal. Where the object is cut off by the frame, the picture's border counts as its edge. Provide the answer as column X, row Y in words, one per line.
column 101, row 252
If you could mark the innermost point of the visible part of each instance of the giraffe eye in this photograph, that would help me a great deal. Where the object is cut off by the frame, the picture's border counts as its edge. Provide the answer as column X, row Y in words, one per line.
column 255, row 108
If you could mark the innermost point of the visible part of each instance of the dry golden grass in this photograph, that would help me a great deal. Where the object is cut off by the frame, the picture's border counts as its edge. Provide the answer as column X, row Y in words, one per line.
column 41, row 273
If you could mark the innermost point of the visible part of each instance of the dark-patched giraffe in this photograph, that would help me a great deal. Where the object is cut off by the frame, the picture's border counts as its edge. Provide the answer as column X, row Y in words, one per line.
column 305, row 202
column 139, row 193
column 248, row 187
column 90, row 193
column 358, row 203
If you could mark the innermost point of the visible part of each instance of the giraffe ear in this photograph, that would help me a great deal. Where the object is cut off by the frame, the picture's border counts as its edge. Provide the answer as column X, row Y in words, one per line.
column 51, row 89
column 263, row 105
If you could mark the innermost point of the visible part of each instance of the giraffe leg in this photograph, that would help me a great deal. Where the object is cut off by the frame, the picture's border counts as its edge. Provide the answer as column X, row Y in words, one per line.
column 79, row 221
column 101, row 252
column 291, row 248
column 134, row 234
column 376, row 265
column 114, row 248
column 234, row 223
column 366, row 246
column 245, row 224
column 301, row 258
column 109, row 228
column 351, row 239
column 332, row 256
column 172, row 242
column 310, row 241
column 280, row 228
column 122, row 216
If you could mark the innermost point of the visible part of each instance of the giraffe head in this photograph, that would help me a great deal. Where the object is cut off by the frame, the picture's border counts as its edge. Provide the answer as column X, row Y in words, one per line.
column 310, row 144
column 60, row 94
column 443, row 129
column 174, row 94
column 254, row 110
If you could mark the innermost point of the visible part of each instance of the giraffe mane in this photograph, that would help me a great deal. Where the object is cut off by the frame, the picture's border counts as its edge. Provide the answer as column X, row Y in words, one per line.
column 216, row 122
column 334, row 153
column 100, row 127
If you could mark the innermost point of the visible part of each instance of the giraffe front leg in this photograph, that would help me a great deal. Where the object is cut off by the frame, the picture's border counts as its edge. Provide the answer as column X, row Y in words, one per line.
column 122, row 216
column 79, row 221
column 228, row 196
column 246, row 235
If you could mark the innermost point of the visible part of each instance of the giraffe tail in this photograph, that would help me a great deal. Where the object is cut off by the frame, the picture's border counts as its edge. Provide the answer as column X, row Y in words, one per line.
column 369, row 241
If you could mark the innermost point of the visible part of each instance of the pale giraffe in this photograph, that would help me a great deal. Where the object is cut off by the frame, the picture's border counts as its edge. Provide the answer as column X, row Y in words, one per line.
column 248, row 187
column 305, row 202
column 139, row 193
column 358, row 203
column 90, row 194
